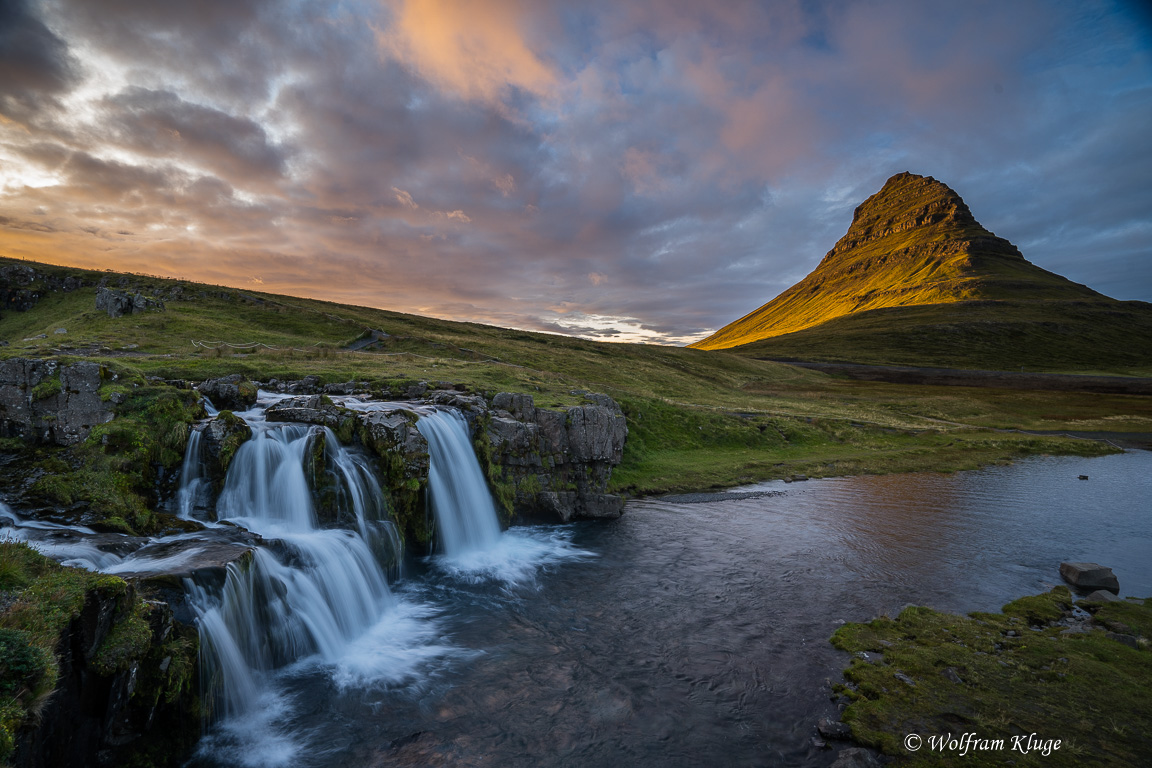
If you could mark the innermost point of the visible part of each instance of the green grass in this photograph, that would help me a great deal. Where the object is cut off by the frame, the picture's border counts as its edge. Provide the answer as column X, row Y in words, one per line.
column 713, row 418
column 1091, row 692
column 46, row 598
column 1087, row 337
column 115, row 470
column 43, row 599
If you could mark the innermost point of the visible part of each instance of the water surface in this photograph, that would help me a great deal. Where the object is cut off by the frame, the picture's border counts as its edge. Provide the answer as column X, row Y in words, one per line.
column 689, row 634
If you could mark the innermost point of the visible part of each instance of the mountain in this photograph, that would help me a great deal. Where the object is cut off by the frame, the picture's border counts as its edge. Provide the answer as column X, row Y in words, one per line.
column 917, row 280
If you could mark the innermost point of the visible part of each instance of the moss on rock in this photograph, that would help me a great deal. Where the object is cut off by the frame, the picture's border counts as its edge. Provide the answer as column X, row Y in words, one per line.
column 1031, row 669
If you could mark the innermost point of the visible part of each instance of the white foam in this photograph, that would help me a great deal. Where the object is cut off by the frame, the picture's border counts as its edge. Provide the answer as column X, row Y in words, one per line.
column 516, row 558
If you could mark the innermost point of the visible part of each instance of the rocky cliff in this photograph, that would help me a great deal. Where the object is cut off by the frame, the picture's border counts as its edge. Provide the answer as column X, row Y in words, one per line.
column 915, row 242
column 540, row 463
column 94, row 673
column 44, row 401
column 556, row 463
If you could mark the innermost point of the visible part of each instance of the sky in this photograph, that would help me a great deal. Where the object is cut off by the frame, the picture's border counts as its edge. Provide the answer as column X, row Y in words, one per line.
column 624, row 170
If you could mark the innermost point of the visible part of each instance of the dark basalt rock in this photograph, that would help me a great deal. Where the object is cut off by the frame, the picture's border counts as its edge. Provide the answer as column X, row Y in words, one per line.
column 98, row 713
column 234, row 392
column 42, row 401
column 223, row 436
column 558, row 462
column 1089, row 576
column 120, row 303
column 310, row 409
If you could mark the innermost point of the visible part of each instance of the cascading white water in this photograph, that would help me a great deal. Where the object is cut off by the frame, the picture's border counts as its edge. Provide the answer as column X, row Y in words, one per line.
column 465, row 516
column 327, row 587
column 193, row 484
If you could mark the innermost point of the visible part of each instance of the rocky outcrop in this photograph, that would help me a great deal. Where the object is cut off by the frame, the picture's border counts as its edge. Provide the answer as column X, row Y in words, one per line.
column 556, row 463
column 223, row 436
column 234, row 392
column 540, row 463
column 126, row 676
column 44, row 401
column 120, row 303
column 22, row 285
column 312, row 409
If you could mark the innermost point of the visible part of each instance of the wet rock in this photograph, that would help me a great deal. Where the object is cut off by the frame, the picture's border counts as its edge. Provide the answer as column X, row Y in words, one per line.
column 43, row 401
column 120, row 303
column 1089, row 576
column 309, row 409
column 234, row 393
column 855, row 758
column 833, row 729
column 223, row 436
column 202, row 557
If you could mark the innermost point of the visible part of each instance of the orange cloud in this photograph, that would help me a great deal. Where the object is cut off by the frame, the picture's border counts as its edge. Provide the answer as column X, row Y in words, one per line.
column 474, row 50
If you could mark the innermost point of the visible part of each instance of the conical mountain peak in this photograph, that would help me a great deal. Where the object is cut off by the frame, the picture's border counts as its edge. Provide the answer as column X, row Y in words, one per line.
column 914, row 242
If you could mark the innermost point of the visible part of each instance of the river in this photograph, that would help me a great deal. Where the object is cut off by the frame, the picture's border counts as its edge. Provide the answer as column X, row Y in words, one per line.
column 691, row 631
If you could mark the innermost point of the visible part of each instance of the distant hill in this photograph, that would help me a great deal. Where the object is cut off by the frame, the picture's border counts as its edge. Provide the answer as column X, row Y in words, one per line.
column 917, row 280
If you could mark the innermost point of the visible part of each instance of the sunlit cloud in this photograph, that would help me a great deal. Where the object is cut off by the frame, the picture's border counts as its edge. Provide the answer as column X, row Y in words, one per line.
column 473, row 50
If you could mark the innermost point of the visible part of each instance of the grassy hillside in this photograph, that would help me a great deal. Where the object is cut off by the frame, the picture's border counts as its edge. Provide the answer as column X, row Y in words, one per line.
column 1057, row 336
column 697, row 418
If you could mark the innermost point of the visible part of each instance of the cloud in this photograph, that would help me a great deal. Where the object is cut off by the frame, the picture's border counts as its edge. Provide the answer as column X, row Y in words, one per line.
column 162, row 124
column 35, row 64
column 628, row 170
column 405, row 199
column 473, row 50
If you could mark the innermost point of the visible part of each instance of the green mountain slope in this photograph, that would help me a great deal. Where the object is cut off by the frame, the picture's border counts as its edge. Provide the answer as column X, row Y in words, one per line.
column 915, row 244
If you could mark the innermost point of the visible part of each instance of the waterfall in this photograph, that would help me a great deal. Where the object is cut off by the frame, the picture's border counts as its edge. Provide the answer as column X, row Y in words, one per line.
column 193, row 485
column 315, row 589
column 466, row 519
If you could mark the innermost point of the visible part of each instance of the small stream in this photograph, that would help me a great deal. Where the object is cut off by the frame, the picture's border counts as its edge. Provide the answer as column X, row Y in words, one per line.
column 691, row 631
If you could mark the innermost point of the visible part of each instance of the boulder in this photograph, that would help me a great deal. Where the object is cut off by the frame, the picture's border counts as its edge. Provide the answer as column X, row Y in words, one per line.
column 1101, row 596
column 234, row 393
column 1089, row 576
column 833, row 729
column 120, row 303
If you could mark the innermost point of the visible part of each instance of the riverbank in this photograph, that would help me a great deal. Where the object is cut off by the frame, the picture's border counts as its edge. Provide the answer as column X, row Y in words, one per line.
column 1043, row 682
